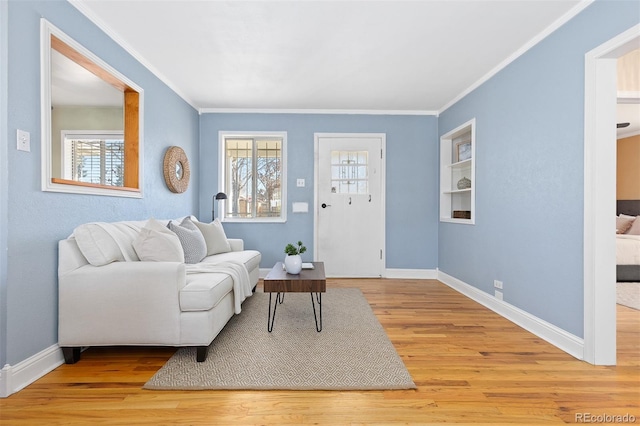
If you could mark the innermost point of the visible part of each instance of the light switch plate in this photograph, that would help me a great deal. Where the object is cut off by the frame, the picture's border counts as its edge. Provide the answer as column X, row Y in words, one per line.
column 300, row 183
column 24, row 140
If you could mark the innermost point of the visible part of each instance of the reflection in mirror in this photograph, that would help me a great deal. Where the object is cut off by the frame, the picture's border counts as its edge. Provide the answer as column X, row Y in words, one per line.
column 179, row 170
column 91, row 124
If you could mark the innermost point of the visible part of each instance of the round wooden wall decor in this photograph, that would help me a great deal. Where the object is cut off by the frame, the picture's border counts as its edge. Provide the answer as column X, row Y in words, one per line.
column 176, row 169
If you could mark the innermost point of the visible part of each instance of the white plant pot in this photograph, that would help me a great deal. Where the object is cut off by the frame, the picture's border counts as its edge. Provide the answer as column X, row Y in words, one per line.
column 293, row 264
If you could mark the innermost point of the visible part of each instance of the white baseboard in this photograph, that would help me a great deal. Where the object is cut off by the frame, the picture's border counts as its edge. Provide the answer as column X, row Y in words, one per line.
column 558, row 337
column 14, row 378
column 416, row 274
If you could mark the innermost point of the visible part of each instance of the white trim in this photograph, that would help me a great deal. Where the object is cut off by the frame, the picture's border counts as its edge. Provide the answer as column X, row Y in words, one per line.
column 46, row 30
column 412, row 274
column 558, row 337
column 530, row 44
column 315, row 111
column 599, row 196
column 16, row 377
column 445, row 184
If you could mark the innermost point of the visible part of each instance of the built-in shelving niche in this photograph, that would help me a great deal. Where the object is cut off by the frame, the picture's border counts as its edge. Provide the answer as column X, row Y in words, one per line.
column 458, row 174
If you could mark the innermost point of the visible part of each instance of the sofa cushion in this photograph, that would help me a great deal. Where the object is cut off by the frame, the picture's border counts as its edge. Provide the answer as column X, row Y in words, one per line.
column 214, row 236
column 157, row 243
column 249, row 258
column 204, row 291
column 192, row 240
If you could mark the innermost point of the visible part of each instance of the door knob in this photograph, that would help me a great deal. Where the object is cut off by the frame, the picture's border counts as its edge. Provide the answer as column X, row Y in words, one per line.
column 325, row 205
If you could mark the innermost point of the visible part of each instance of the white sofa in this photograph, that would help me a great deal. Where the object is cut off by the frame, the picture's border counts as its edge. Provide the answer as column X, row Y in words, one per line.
column 124, row 283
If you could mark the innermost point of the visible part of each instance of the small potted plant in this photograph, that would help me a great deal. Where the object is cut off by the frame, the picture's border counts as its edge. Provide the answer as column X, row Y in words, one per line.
column 293, row 261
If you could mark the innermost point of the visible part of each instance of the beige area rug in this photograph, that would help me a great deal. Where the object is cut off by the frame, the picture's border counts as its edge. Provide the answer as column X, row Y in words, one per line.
column 628, row 294
column 351, row 352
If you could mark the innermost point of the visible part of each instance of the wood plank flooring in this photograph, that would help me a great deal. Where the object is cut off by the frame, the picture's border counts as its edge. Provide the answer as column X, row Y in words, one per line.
column 471, row 366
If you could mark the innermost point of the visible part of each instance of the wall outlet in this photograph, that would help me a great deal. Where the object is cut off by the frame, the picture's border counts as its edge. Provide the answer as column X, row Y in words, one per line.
column 498, row 295
column 497, row 284
column 300, row 183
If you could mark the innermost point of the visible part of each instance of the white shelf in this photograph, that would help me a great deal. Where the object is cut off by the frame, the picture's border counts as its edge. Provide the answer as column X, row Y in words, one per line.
column 452, row 171
column 457, row 191
column 461, row 164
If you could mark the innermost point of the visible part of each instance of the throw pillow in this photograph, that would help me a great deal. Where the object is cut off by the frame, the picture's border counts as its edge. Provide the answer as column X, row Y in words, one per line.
column 635, row 227
column 156, row 243
column 96, row 245
column 623, row 223
column 214, row 236
column 193, row 243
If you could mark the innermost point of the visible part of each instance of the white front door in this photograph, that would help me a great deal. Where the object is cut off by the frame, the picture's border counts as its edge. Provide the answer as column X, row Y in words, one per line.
column 349, row 219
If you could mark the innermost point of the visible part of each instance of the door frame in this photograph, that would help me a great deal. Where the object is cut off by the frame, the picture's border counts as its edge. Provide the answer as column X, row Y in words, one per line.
column 599, row 344
column 383, row 188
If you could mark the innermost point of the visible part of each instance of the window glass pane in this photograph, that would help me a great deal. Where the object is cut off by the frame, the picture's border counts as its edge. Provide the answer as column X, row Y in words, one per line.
column 239, row 179
column 253, row 177
column 268, row 174
column 97, row 159
column 349, row 172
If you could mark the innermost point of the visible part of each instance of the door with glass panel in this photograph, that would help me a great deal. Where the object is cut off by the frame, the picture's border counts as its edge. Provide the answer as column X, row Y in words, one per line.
column 349, row 221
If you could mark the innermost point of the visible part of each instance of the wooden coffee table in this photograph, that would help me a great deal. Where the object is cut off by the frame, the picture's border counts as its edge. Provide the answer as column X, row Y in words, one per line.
column 307, row 281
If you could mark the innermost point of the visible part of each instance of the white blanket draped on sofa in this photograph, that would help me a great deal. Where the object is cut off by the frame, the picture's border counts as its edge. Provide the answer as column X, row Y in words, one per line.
column 241, row 282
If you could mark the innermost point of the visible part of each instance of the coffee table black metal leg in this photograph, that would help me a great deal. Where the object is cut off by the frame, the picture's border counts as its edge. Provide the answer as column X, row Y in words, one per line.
column 271, row 318
column 315, row 316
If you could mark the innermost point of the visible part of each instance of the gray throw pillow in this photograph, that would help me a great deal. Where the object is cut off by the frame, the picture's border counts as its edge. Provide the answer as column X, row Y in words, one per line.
column 191, row 239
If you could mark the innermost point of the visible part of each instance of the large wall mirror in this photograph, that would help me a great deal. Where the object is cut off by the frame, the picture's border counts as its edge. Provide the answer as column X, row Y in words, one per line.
column 91, row 121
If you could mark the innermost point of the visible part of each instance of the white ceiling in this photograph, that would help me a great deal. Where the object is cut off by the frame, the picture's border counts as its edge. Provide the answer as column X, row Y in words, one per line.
column 393, row 56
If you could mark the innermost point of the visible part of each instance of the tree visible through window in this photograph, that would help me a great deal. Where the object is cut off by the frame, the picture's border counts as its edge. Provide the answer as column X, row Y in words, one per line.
column 253, row 177
column 94, row 158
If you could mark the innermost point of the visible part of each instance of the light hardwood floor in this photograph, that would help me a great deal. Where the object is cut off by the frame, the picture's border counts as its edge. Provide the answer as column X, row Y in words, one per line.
column 470, row 366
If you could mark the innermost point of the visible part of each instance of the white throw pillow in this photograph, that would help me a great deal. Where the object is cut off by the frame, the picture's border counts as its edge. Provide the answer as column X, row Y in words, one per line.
column 192, row 240
column 97, row 245
column 635, row 227
column 157, row 243
column 215, row 237
column 623, row 223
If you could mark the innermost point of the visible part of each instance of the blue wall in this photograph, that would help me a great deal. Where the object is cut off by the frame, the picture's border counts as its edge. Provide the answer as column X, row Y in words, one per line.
column 411, row 185
column 36, row 220
column 529, row 173
column 4, row 52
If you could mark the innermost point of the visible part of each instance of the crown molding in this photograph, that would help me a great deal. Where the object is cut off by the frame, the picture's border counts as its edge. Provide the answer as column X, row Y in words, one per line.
column 315, row 111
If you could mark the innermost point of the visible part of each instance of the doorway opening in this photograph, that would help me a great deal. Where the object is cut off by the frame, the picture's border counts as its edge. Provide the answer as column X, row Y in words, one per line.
column 599, row 196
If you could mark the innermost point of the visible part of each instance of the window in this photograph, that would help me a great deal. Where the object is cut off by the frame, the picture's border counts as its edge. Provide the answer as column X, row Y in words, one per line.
column 253, row 176
column 96, row 158
column 350, row 172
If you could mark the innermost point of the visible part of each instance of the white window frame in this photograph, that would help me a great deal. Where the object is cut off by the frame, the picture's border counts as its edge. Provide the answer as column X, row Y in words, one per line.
column 221, row 213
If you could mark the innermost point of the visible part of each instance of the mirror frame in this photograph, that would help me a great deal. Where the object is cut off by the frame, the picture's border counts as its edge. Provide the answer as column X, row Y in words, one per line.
column 54, row 38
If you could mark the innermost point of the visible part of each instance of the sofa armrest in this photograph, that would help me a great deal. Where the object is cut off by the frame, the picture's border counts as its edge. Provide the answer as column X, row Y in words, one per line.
column 236, row 244
column 121, row 303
